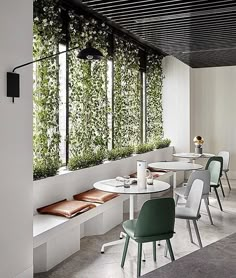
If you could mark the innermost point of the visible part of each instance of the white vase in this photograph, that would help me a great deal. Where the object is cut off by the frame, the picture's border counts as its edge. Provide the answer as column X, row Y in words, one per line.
column 198, row 149
column 141, row 173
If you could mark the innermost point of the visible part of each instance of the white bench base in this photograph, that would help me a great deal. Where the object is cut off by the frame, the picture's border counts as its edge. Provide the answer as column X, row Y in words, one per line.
column 56, row 238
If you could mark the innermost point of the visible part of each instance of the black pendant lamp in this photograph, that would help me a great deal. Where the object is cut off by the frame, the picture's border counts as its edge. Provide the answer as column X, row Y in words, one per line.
column 90, row 53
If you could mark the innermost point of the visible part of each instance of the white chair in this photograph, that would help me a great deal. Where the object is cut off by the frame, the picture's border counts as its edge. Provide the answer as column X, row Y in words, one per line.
column 191, row 210
column 225, row 169
column 183, row 191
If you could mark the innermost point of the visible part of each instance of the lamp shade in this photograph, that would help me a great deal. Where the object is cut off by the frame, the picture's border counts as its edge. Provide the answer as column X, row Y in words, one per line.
column 90, row 53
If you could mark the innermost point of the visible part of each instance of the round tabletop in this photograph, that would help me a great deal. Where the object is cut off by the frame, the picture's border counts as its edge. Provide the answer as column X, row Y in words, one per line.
column 193, row 155
column 175, row 166
column 115, row 186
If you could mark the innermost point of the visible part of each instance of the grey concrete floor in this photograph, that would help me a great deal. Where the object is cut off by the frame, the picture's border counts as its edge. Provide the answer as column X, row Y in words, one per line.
column 90, row 263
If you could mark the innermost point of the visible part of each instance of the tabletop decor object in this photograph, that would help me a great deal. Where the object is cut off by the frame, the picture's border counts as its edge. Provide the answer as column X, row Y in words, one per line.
column 198, row 141
column 141, row 173
column 150, row 179
column 126, row 181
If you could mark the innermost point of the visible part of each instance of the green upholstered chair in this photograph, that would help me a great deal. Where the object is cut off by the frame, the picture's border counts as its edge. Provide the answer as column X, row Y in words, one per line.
column 215, row 166
column 225, row 156
column 155, row 222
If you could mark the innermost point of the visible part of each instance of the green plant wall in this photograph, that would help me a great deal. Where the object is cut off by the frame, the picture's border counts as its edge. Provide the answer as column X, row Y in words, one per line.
column 126, row 94
column 46, row 136
column 154, row 82
column 88, row 106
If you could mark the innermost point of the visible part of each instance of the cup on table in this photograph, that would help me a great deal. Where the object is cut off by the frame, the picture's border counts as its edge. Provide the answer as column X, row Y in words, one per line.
column 126, row 181
column 150, row 179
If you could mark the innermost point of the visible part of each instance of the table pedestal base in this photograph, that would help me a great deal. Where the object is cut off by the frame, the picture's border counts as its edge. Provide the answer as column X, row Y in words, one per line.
column 115, row 242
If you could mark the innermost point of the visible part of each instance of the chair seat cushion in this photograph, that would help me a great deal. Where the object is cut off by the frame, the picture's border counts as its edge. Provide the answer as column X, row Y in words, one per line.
column 185, row 213
column 180, row 191
column 66, row 208
column 129, row 227
column 95, row 195
column 214, row 184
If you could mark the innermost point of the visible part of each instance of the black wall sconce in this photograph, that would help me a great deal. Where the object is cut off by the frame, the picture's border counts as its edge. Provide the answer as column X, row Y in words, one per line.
column 13, row 78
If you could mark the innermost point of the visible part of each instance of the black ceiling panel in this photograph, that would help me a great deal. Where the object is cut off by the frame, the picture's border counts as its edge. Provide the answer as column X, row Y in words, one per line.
column 200, row 33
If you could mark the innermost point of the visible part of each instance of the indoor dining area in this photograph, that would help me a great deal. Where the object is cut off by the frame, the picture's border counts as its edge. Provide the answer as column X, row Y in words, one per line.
column 116, row 123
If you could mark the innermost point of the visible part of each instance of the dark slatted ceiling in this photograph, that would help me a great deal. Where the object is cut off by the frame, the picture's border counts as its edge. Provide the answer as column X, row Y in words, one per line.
column 200, row 33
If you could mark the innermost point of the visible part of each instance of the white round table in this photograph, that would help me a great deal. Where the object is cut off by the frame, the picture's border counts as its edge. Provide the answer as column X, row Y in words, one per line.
column 175, row 166
column 114, row 186
column 193, row 156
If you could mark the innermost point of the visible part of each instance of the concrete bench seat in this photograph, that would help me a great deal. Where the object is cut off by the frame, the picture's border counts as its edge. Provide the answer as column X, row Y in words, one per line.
column 56, row 238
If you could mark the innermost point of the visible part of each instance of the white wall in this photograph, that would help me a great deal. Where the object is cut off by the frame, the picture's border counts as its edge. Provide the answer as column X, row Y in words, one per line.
column 176, row 103
column 213, row 99
column 16, row 142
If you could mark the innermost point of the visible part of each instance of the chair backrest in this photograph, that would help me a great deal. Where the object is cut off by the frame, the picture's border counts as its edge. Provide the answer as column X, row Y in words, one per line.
column 225, row 156
column 215, row 166
column 157, row 217
column 195, row 197
column 203, row 175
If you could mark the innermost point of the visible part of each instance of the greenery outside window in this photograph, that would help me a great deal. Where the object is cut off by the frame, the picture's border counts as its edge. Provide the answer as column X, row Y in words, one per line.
column 46, row 136
column 88, row 105
column 91, row 110
column 154, row 83
column 127, row 97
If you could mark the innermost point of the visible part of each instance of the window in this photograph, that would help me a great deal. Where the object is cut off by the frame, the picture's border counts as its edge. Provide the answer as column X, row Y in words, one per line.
column 62, row 104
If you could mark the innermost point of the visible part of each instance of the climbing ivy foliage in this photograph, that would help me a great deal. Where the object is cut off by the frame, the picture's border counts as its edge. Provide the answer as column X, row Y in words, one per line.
column 127, row 96
column 88, row 105
column 154, row 82
column 46, row 136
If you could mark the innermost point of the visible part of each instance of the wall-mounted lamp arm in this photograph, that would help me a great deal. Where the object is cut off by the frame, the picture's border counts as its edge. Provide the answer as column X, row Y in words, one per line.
column 43, row 58
column 13, row 79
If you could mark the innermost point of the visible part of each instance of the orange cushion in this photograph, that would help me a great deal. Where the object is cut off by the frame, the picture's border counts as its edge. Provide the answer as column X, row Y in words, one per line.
column 66, row 208
column 155, row 175
column 155, row 170
column 95, row 195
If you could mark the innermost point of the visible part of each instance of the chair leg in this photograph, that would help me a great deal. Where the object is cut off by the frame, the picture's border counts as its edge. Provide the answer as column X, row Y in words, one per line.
column 139, row 259
column 208, row 200
column 217, row 196
column 125, row 250
column 176, row 199
column 170, row 250
column 222, row 189
column 197, row 233
column 208, row 210
column 227, row 180
column 154, row 251
column 189, row 230
column 166, row 250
